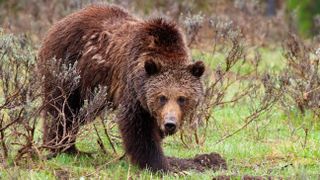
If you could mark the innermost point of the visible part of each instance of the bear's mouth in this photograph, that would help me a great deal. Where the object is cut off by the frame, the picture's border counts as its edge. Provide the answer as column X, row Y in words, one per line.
column 169, row 133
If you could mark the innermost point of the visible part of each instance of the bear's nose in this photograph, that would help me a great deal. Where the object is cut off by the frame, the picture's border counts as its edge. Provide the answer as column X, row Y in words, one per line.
column 170, row 124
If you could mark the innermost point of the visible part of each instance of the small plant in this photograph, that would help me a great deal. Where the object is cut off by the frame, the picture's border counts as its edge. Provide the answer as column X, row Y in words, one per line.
column 21, row 104
column 193, row 25
column 19, row 96
column 256, row 90
column 301, row 79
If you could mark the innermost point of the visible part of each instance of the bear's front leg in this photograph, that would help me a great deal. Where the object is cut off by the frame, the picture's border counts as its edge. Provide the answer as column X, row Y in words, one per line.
column 141, row 138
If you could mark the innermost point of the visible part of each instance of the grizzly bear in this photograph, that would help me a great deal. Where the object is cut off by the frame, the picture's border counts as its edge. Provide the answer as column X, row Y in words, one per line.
column 145, row 66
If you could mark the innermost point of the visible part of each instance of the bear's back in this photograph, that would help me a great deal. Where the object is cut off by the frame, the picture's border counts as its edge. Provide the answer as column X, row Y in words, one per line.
column 66, row 39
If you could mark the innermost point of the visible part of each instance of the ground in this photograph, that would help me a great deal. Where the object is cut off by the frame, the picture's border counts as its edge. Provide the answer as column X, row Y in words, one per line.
column 267, row 147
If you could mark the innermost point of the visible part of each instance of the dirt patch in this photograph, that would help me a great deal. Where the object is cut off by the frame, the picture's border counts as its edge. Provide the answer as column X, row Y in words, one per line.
column 62, row 174
column 200, row 163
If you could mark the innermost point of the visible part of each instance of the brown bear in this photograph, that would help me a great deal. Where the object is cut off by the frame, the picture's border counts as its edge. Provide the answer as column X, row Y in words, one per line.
column 144, row 64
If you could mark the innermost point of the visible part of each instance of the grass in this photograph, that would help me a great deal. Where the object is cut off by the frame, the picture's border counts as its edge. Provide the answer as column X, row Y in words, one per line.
column 273, row 145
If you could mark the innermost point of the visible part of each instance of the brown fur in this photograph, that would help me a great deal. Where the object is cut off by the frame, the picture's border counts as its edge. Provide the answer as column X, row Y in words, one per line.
column 137, row 60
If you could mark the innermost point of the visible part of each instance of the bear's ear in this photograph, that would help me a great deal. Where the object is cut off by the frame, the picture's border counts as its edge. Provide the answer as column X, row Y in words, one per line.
column 151, row 67
column 197, row 69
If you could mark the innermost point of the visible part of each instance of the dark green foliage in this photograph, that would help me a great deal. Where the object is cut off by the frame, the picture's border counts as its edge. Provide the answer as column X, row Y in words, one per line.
column 305, row 12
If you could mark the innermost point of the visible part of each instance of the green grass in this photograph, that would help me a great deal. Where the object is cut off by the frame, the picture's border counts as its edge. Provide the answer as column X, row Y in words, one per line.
column 268, row 150
column 267, row 147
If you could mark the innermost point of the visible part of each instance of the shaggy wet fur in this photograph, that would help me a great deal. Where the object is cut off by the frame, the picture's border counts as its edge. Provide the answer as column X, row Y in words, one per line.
column 110, row 47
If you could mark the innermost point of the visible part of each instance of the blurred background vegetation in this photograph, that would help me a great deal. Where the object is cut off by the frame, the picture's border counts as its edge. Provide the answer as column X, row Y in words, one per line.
column 262, row 105
column 306, row 14
column 266, row 18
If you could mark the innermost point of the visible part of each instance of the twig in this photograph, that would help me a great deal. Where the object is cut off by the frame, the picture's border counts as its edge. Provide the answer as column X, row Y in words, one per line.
column 107, row 163
column 108, row 137
column 100, row 140
column 3, row 144
column 12, row 122
column 249, row 119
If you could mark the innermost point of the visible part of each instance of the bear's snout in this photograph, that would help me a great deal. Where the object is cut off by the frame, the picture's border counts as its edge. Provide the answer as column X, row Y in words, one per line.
column 170, row 123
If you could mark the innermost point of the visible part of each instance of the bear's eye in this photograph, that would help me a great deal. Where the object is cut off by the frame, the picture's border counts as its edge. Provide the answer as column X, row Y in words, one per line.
column 163, row 100
column 182, row 100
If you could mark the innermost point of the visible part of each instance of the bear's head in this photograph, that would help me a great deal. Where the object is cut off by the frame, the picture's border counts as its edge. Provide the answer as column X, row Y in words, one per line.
column 161, row 76
column 172, row 93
